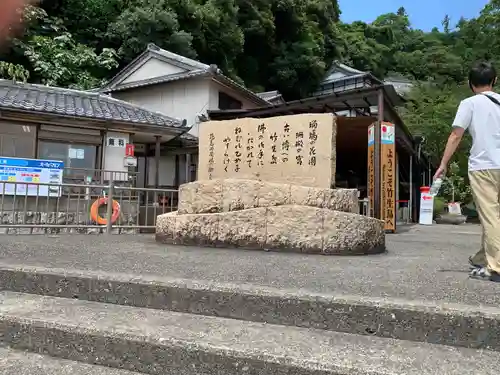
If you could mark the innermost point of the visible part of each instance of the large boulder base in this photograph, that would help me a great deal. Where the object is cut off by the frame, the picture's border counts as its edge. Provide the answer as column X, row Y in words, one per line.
column 283, row 228
column 213, row 196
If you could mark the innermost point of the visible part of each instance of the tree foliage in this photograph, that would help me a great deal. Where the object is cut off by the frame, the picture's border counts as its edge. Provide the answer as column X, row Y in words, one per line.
column 275, row 44
column 47, row 53
column 286, row 45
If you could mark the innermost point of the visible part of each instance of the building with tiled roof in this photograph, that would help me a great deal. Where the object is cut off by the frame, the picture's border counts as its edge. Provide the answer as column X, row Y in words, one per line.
column 94, row 106
column 179, row 86
column 89, row 131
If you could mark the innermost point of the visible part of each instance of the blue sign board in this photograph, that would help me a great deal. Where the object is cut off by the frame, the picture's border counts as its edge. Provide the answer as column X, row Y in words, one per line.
column 25, row 176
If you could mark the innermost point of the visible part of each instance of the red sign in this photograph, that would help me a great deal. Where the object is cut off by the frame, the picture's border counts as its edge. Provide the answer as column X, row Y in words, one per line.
column 129, row 149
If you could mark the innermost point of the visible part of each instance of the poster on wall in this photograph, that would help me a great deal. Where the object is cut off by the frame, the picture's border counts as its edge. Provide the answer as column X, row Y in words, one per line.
column 116, row 142
column 387, row 175
column 371, row 169
column 25, row 175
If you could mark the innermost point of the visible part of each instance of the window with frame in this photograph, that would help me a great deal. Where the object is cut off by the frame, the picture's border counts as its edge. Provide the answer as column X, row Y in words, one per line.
column 228, row 102
column 17, row 141
column 79, row 159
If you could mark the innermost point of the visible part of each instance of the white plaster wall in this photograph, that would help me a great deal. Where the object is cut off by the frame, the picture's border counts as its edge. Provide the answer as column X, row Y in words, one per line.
column 184, row 99
column 114, row 156
column 152, row 68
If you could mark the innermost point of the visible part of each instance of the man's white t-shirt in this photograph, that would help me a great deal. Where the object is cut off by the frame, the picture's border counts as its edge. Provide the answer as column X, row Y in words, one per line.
column 481, row 117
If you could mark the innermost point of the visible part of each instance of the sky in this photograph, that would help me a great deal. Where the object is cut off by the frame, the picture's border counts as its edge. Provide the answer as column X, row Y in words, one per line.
column 424, row 14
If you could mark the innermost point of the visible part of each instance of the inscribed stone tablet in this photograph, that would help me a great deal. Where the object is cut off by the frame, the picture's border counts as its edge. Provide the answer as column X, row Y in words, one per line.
column 297, row 149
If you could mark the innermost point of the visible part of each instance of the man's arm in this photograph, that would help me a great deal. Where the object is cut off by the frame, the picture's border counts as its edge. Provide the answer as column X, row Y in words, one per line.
column 452, row 144
column 460, row 125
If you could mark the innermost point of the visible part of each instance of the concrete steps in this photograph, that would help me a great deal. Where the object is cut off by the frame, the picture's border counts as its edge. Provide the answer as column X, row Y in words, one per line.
column 26, row 363
column 87, row 322
column 448, row 324
column 163, row 342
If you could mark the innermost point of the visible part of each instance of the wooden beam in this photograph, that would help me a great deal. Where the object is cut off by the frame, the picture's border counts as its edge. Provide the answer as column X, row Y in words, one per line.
column 327, row 99
column 188, row 168
column 377, row 167
column 157, row 161
column 177, row 170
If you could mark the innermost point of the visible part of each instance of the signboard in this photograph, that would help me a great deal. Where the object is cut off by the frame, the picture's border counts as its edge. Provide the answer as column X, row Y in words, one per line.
column 387, row 175
column 130, row 161
column 129, row 149
column 76, row 153
column 426, row 206
column 297, row 149
column 371, row 169
column 116, row 142
column 28, row 173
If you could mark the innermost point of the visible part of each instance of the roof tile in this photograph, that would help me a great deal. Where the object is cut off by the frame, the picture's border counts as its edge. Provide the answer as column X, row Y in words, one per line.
column 87, row 104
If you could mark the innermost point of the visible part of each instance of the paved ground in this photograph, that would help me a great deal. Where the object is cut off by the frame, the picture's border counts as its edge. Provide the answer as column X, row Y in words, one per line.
column 421, row 263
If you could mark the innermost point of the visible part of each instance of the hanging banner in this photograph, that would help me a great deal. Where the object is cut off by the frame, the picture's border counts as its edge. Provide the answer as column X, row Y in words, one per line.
column 387, row 175
column 371, row 169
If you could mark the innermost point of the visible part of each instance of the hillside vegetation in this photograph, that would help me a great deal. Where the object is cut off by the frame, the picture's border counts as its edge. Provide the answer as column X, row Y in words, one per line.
column 266, row 44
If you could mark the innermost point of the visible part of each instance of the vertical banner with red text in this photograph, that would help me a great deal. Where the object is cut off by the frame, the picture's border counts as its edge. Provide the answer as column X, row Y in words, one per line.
column 387, row 175
column 371, row 169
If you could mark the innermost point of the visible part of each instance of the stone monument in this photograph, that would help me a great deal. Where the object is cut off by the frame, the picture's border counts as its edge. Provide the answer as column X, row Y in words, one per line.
column 267, row 184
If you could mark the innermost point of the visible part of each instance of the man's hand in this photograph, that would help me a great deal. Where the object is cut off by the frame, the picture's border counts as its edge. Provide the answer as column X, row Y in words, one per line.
column 440, row 173
column 451, row 146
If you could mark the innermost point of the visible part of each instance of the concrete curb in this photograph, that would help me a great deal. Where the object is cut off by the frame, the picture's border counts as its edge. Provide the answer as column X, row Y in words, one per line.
column 447, row 324
column 25, row 363
column 160, row 342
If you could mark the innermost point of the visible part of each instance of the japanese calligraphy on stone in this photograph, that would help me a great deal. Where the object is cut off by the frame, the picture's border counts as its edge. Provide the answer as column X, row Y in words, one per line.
column 286, row 149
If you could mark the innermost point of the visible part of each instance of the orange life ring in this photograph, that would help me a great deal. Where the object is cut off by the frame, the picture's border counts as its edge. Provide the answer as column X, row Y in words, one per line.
column 94, row 211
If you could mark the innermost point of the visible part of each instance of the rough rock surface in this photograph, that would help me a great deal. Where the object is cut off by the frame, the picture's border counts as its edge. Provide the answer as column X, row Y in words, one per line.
column 212, row 196
column 286, row 228
column 39, row 219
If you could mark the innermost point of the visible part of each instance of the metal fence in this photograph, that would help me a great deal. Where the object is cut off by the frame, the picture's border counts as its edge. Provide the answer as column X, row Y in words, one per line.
column 73, row 175
column 45, row 208
column 81, row 208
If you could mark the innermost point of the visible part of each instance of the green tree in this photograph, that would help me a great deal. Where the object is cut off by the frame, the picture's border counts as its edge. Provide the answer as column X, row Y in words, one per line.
column 256, row 19
column 456, row 187
column 298, row 65
column 430, row 111
column 149, row 21
column 14, row 72
column 86, row 20
column 56, row 59
column 275, row 44
column 213, row 45
column 60, row 61
column 47, row 53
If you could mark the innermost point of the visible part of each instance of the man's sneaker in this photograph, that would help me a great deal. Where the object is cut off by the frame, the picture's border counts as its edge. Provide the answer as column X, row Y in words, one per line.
column 483, row 273
column 472, row 265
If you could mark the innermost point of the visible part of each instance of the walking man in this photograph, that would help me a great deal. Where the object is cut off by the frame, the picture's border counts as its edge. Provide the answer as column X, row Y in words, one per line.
column 480, row 115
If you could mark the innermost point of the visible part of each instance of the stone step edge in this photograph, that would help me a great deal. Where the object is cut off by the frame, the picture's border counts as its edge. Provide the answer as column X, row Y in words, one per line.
column 438, row 323
column 167, row 343
column 21, row 363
